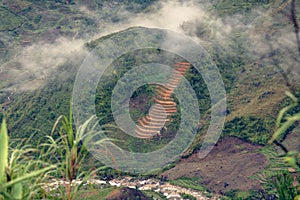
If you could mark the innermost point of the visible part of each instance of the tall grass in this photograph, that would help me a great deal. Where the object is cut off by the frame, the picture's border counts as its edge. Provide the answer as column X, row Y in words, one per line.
column 20, row 174
column 66, row 147
column 27, row 172
column 284, row 185
column 287, row 188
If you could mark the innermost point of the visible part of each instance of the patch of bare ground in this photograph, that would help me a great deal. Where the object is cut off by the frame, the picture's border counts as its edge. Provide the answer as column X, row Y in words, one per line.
column 140, row 103
column 228, row 166
column 126, row 193
column 292, row 141
column 89, row 194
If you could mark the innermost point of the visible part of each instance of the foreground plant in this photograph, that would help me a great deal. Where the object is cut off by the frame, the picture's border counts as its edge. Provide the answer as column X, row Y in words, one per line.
column 20, row 174
column 287, row 187
column 67, row 148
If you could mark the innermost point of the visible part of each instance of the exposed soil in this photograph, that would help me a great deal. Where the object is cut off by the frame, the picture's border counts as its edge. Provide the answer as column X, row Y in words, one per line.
column 140, row 103
column 292, row 141
column 228, row 166
column 126, row 193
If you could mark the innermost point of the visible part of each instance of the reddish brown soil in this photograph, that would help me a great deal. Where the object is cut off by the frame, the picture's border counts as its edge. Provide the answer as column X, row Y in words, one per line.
column 228, row 166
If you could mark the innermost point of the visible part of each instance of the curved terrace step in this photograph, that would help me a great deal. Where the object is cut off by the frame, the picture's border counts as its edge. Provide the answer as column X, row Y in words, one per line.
column 155, row 121
column 145, row 129
column 166, row 110
column 150, row 126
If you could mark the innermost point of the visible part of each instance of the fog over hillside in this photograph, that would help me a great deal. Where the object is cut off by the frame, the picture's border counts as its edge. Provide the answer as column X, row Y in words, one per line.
column 195, row 18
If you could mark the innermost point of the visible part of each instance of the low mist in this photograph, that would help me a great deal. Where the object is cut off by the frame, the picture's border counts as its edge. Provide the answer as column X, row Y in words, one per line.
column 29, row 67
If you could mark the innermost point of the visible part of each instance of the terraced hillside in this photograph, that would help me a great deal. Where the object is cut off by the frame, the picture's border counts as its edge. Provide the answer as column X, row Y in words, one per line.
column 165, row 106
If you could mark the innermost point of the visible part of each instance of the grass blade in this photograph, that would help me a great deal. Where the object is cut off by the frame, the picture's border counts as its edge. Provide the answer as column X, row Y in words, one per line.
column 3, row 151
column 18, row 191
column 27, row 176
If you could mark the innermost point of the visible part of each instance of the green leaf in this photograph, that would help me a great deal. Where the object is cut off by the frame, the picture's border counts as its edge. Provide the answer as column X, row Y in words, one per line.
column 27, row 176
column 284, row 127
column 285, row 109
column 282, row 112
column 56, row 123
column 291, row 96
column 291, row 161
column 70, row 125
column 3, row 151
column 17, row 191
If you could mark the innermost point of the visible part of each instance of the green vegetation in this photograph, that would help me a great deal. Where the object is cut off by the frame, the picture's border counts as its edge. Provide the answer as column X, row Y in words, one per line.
column 9, row 20
column 138, row 5
column 46, row 105
column 32, row 114
column 91, row 194
column 52, row 101
column 26, row 173
column 193, row 183
column 20, row 173
column 279, row 179
column 65, row 147
column 143, row 94
column 154, row 195
column 249, row 128
column 249, row 195
column 187, row 196
column 230, row 7
column 68, row 148
column 286, row 186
